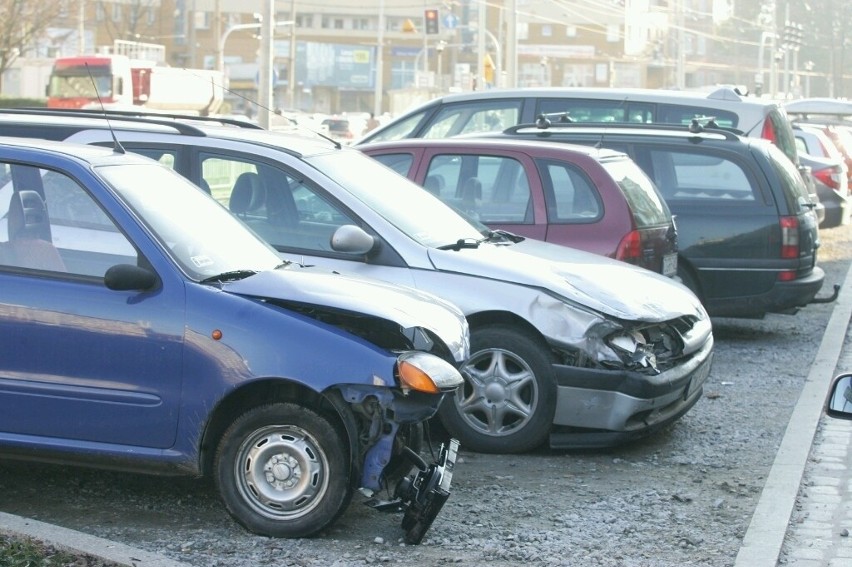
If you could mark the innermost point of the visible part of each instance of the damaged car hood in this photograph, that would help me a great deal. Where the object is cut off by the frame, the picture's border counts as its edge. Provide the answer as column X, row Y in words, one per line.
column 608, row 286
column 405, row 306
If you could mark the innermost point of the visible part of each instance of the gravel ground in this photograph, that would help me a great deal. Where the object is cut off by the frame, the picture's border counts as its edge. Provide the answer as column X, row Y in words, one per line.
column 683, row 497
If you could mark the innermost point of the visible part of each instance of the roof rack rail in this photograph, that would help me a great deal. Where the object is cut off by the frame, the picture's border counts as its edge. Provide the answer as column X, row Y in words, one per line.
column 543, row 123
column 159, row 118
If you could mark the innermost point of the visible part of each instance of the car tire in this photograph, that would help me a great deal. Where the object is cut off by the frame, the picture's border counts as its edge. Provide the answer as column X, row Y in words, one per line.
column 282, row 471
column 508, row 399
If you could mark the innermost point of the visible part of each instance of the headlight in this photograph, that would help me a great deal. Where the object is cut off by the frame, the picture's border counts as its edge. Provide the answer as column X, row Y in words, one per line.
column 424, row 372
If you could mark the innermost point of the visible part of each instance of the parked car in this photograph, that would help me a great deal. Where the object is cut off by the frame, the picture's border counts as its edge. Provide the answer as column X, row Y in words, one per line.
column 830, row 172
column 495, row 110
column 337, row 128
column 747, row 232
column 146, row 329
column 595, row 200
column 566, row 346
column 832, row 116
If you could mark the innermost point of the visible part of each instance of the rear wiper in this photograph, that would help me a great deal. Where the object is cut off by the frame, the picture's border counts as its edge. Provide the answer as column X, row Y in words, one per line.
column 463, row 243
column 231, row 276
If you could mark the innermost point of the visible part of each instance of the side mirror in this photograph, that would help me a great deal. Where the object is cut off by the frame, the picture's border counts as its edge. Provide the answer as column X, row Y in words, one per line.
column 839, row 402
column 351, row 239
column 127, row 277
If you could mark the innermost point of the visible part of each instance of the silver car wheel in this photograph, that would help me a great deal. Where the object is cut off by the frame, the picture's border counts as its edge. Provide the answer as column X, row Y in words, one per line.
column 500, row 394
column 281, row 472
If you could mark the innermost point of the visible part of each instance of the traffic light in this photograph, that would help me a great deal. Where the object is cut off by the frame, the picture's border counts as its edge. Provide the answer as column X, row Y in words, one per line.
column 431, row 17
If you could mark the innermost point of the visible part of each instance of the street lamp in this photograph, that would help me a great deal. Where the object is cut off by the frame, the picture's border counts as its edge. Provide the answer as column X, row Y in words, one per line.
column 220, row 51
column 439, row 50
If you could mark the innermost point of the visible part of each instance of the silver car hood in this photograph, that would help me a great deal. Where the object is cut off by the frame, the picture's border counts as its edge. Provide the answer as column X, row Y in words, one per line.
column 608, row 286
column 405, row 306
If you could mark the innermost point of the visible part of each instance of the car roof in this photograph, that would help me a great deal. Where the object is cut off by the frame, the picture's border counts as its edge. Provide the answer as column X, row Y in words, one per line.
column 830, row 106
column 646, row 131
column 297, row 140
column 477, row 140
column 77, row 152
column 721, row 94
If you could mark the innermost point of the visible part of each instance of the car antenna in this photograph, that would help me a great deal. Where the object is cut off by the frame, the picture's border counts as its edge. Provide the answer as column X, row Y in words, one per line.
column 248, row 100
column 117, row 147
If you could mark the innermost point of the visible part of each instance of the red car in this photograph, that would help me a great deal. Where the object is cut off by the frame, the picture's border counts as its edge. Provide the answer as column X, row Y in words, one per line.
column 592, row 199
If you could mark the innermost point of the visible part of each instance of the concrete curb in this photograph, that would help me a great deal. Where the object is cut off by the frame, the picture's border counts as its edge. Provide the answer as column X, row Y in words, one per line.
column 761, row 546
column 78, row 542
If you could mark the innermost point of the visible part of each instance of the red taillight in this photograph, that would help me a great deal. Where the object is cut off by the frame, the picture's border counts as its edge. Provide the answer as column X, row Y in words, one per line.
column 769, row 131
column 630, row 247
column 829, row 176
column 789, row 237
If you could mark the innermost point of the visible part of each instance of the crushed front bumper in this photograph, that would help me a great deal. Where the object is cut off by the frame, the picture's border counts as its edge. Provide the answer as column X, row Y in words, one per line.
column 420, row 497
column 600, row 408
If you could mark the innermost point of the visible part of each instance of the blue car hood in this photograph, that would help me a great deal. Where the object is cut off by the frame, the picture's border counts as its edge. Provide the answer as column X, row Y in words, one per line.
column 605, row 285
column 405, row 306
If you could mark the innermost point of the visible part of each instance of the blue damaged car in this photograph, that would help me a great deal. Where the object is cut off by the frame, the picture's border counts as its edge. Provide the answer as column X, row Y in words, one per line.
column 146, row 329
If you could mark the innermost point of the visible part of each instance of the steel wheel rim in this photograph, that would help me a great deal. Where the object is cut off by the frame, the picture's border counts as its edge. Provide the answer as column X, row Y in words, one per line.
column 500, row 394
column 281, row 472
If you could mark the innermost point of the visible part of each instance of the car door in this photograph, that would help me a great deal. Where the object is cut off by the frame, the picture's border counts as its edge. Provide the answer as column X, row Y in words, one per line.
column 80, row 363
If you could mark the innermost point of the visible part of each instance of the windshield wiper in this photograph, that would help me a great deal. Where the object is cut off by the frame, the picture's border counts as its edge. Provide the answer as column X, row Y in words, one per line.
column 463, row 243
column 499, row 235
column 231, row 276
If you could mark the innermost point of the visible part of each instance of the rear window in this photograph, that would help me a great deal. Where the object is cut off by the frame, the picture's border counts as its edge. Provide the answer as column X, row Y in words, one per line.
column 649, row 208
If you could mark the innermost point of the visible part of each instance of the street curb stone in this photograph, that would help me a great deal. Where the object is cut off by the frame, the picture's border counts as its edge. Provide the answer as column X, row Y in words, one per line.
column 74, row 541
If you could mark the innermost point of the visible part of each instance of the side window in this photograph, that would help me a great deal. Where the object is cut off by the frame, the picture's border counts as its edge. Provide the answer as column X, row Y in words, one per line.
column 676, row 114
column 400, row 163
column 50, row 223
column 474, row 117
column 492, row 189
column 590, row 110
column 277, row 204
column 570, row 195
column 687, row 175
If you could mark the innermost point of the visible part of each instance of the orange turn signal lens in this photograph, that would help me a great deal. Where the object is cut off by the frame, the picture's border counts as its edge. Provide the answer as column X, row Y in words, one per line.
column 413, row 378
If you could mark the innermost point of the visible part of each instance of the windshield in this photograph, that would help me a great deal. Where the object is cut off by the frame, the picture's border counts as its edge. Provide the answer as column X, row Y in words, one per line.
column 201, row 235
column 413, row 210
column 79, row 81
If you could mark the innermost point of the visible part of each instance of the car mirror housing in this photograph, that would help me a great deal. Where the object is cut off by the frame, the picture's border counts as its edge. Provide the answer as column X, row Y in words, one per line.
column 351, row 239
column 839, row 403
column 126, row 277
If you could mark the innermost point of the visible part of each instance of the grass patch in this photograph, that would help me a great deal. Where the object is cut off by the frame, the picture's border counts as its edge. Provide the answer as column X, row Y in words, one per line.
column 26, row 552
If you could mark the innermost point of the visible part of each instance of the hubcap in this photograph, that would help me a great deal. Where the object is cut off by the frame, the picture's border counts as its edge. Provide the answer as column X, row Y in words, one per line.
column 500, row 394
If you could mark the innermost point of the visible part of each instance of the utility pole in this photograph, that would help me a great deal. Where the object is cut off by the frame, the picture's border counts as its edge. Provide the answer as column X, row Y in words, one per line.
column 264, row 93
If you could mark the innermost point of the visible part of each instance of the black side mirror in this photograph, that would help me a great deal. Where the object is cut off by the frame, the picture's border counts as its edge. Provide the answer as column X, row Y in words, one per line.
column 839, row 402
column 127, row 277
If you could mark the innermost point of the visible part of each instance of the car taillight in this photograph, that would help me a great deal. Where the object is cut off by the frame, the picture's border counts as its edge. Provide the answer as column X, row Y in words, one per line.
column 789, row 237
column 769, row 131
column 829, row 176
column 630, row 247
